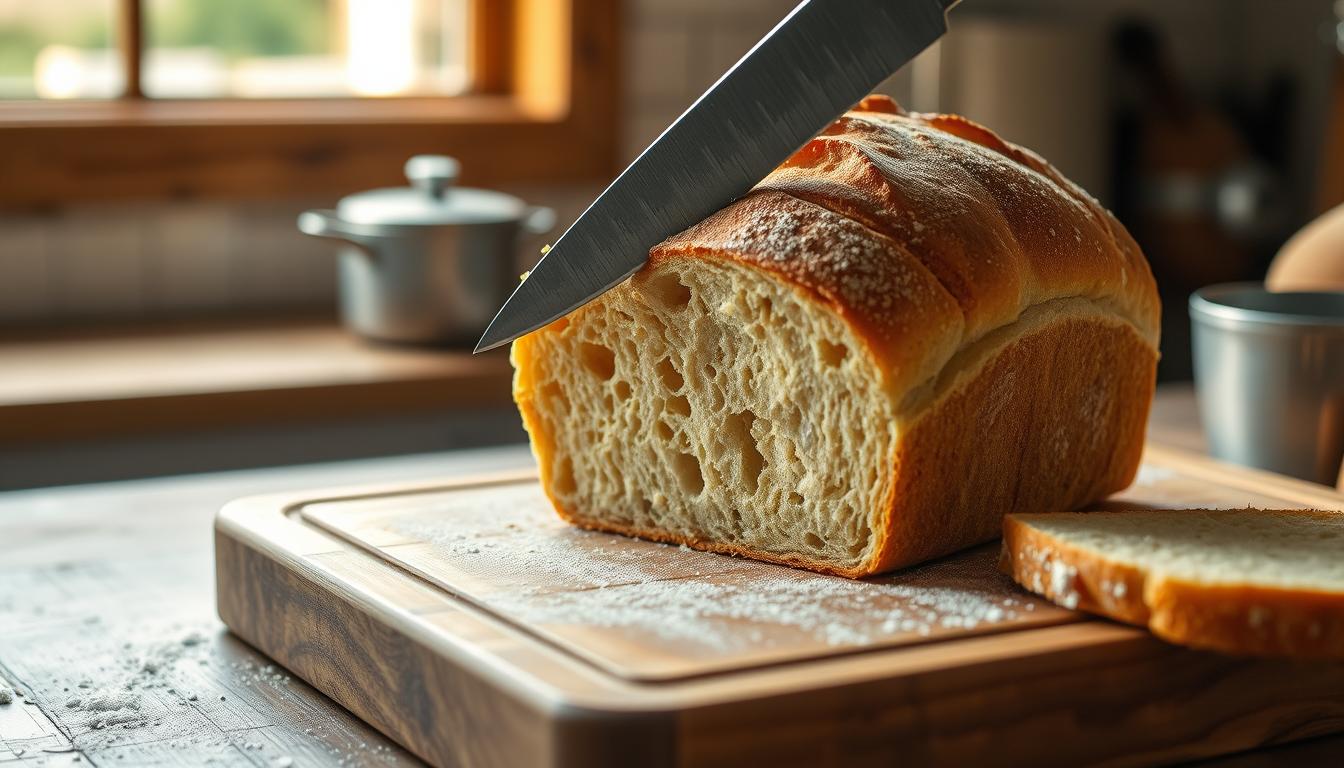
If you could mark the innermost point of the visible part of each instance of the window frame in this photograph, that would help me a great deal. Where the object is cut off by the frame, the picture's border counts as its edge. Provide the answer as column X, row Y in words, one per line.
column 543, row 108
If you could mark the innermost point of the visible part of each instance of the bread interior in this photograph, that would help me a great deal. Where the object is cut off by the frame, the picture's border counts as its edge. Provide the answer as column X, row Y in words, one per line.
column 706, row 402
column 1287, row 549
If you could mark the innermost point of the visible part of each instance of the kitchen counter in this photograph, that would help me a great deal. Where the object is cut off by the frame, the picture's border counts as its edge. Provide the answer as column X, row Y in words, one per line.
column 108, row 629
column 81, row 405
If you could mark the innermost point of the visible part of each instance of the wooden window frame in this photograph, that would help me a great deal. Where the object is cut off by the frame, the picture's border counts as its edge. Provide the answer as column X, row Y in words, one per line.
column 543, row 108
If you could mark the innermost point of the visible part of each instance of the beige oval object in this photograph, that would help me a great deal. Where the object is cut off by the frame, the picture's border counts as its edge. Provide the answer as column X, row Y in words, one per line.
column 1313, row 259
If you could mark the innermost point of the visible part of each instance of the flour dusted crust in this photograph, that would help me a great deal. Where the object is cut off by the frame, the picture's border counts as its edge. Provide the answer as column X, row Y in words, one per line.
column 1237, row 618
column 997, row 329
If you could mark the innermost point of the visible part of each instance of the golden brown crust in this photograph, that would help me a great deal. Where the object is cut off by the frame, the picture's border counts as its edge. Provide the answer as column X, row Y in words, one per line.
column 1053, row 420
column 854, row 271
column 996, row 227
column 1237, row 619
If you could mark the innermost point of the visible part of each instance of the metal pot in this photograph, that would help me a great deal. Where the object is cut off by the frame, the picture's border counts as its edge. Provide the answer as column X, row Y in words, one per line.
column 430, row 263
column 1269, row 369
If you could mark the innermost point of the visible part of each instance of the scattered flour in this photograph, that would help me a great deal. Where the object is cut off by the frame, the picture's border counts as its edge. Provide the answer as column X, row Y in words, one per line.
column 8, row 692
column 551, row 552
column 709, row 612
column 1151, row 475
column 107, row 707
column 253, row 673
column 1062, row 577
column 549, row 574
column 125, row 704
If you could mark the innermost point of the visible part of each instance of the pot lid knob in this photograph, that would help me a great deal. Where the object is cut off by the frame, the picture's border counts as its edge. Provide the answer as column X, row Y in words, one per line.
column 432, row 174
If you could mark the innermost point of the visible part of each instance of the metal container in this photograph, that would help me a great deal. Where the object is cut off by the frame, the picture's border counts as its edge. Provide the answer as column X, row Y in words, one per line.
column 430, row 263
column 1269, row 372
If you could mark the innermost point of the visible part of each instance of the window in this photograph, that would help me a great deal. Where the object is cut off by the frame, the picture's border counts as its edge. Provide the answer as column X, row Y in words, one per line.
column 58, row 49
column 62, row 49
column 251, row 98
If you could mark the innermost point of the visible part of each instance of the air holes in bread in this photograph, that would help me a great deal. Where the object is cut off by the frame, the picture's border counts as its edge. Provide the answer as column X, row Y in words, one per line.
column 623, row 389
column 687, row 469
column 833, row 354
column 796, row 498
column 668, row 291
column 738, row 437
column 664, row 431
column 564, row 475
column 598, row 359
column 679, row 405
column 554, row 396
column 814, row 541
column 668, row 373
column 735, row 517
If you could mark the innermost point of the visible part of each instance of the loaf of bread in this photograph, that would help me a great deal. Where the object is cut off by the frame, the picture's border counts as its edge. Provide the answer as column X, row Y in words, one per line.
column 908, row 330
column 1243, row 581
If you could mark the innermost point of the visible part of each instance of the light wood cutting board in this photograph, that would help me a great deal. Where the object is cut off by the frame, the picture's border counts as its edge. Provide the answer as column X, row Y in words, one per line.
column 471, row 625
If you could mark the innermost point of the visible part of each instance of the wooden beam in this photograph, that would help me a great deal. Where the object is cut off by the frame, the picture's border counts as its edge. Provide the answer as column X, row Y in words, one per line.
column 131, row 45
column 491, row 46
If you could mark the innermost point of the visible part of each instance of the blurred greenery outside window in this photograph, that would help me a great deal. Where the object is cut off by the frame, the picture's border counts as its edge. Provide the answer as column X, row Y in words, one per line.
column 67, row 49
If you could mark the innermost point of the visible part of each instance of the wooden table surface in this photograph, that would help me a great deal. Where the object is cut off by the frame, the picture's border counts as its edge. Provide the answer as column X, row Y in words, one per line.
column 107, row 614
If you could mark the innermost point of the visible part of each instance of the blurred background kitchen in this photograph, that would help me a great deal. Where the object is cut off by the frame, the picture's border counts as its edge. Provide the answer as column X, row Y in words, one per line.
column 160, row 312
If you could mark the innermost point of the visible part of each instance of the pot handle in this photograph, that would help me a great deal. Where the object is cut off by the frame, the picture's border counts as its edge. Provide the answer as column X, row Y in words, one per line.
column 324, row 222
column 538, row 220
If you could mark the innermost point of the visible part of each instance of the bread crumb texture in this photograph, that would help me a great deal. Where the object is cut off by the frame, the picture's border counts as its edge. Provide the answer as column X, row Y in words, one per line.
column 1244, row 581
column 854, row 367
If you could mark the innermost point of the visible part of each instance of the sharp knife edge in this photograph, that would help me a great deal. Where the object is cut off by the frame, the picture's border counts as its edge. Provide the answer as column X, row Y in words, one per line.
column 816, row 63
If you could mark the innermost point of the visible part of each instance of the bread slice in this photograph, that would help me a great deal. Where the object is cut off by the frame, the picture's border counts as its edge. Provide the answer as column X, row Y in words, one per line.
column 908, row 330
column 1243, row 581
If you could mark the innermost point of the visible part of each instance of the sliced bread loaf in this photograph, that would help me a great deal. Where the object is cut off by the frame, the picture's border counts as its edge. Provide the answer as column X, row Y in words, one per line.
column 1244, row 581
column 909, row 329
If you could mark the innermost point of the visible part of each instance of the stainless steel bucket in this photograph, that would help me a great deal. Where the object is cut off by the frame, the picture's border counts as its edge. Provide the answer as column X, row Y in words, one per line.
column 1269, row 373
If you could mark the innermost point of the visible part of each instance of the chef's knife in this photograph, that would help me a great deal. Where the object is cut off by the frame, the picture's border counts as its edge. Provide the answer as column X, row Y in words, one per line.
column 816, row 63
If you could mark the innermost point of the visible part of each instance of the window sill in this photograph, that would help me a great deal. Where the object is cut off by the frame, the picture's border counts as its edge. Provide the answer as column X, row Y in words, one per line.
column 58, row 154
column 489, row 109
column 67, row 386
column 545, row 111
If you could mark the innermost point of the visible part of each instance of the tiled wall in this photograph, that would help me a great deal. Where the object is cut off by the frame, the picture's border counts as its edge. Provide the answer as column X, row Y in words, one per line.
column 131, row 260
column 675, row 49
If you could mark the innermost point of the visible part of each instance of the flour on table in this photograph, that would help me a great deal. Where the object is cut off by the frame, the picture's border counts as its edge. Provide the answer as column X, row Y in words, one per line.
column 548, row 574
column 1151, row 475
column 124, row 705
column 710, row 612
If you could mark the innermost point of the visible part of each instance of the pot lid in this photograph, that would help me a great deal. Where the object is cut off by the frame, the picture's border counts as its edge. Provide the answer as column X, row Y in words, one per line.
column 432, row 199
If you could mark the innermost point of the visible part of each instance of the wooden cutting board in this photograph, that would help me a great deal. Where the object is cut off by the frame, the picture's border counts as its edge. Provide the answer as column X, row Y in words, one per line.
column 468, row 623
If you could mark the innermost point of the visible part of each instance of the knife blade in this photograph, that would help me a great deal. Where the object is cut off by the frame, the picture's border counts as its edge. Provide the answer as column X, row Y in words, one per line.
column 820, row 60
